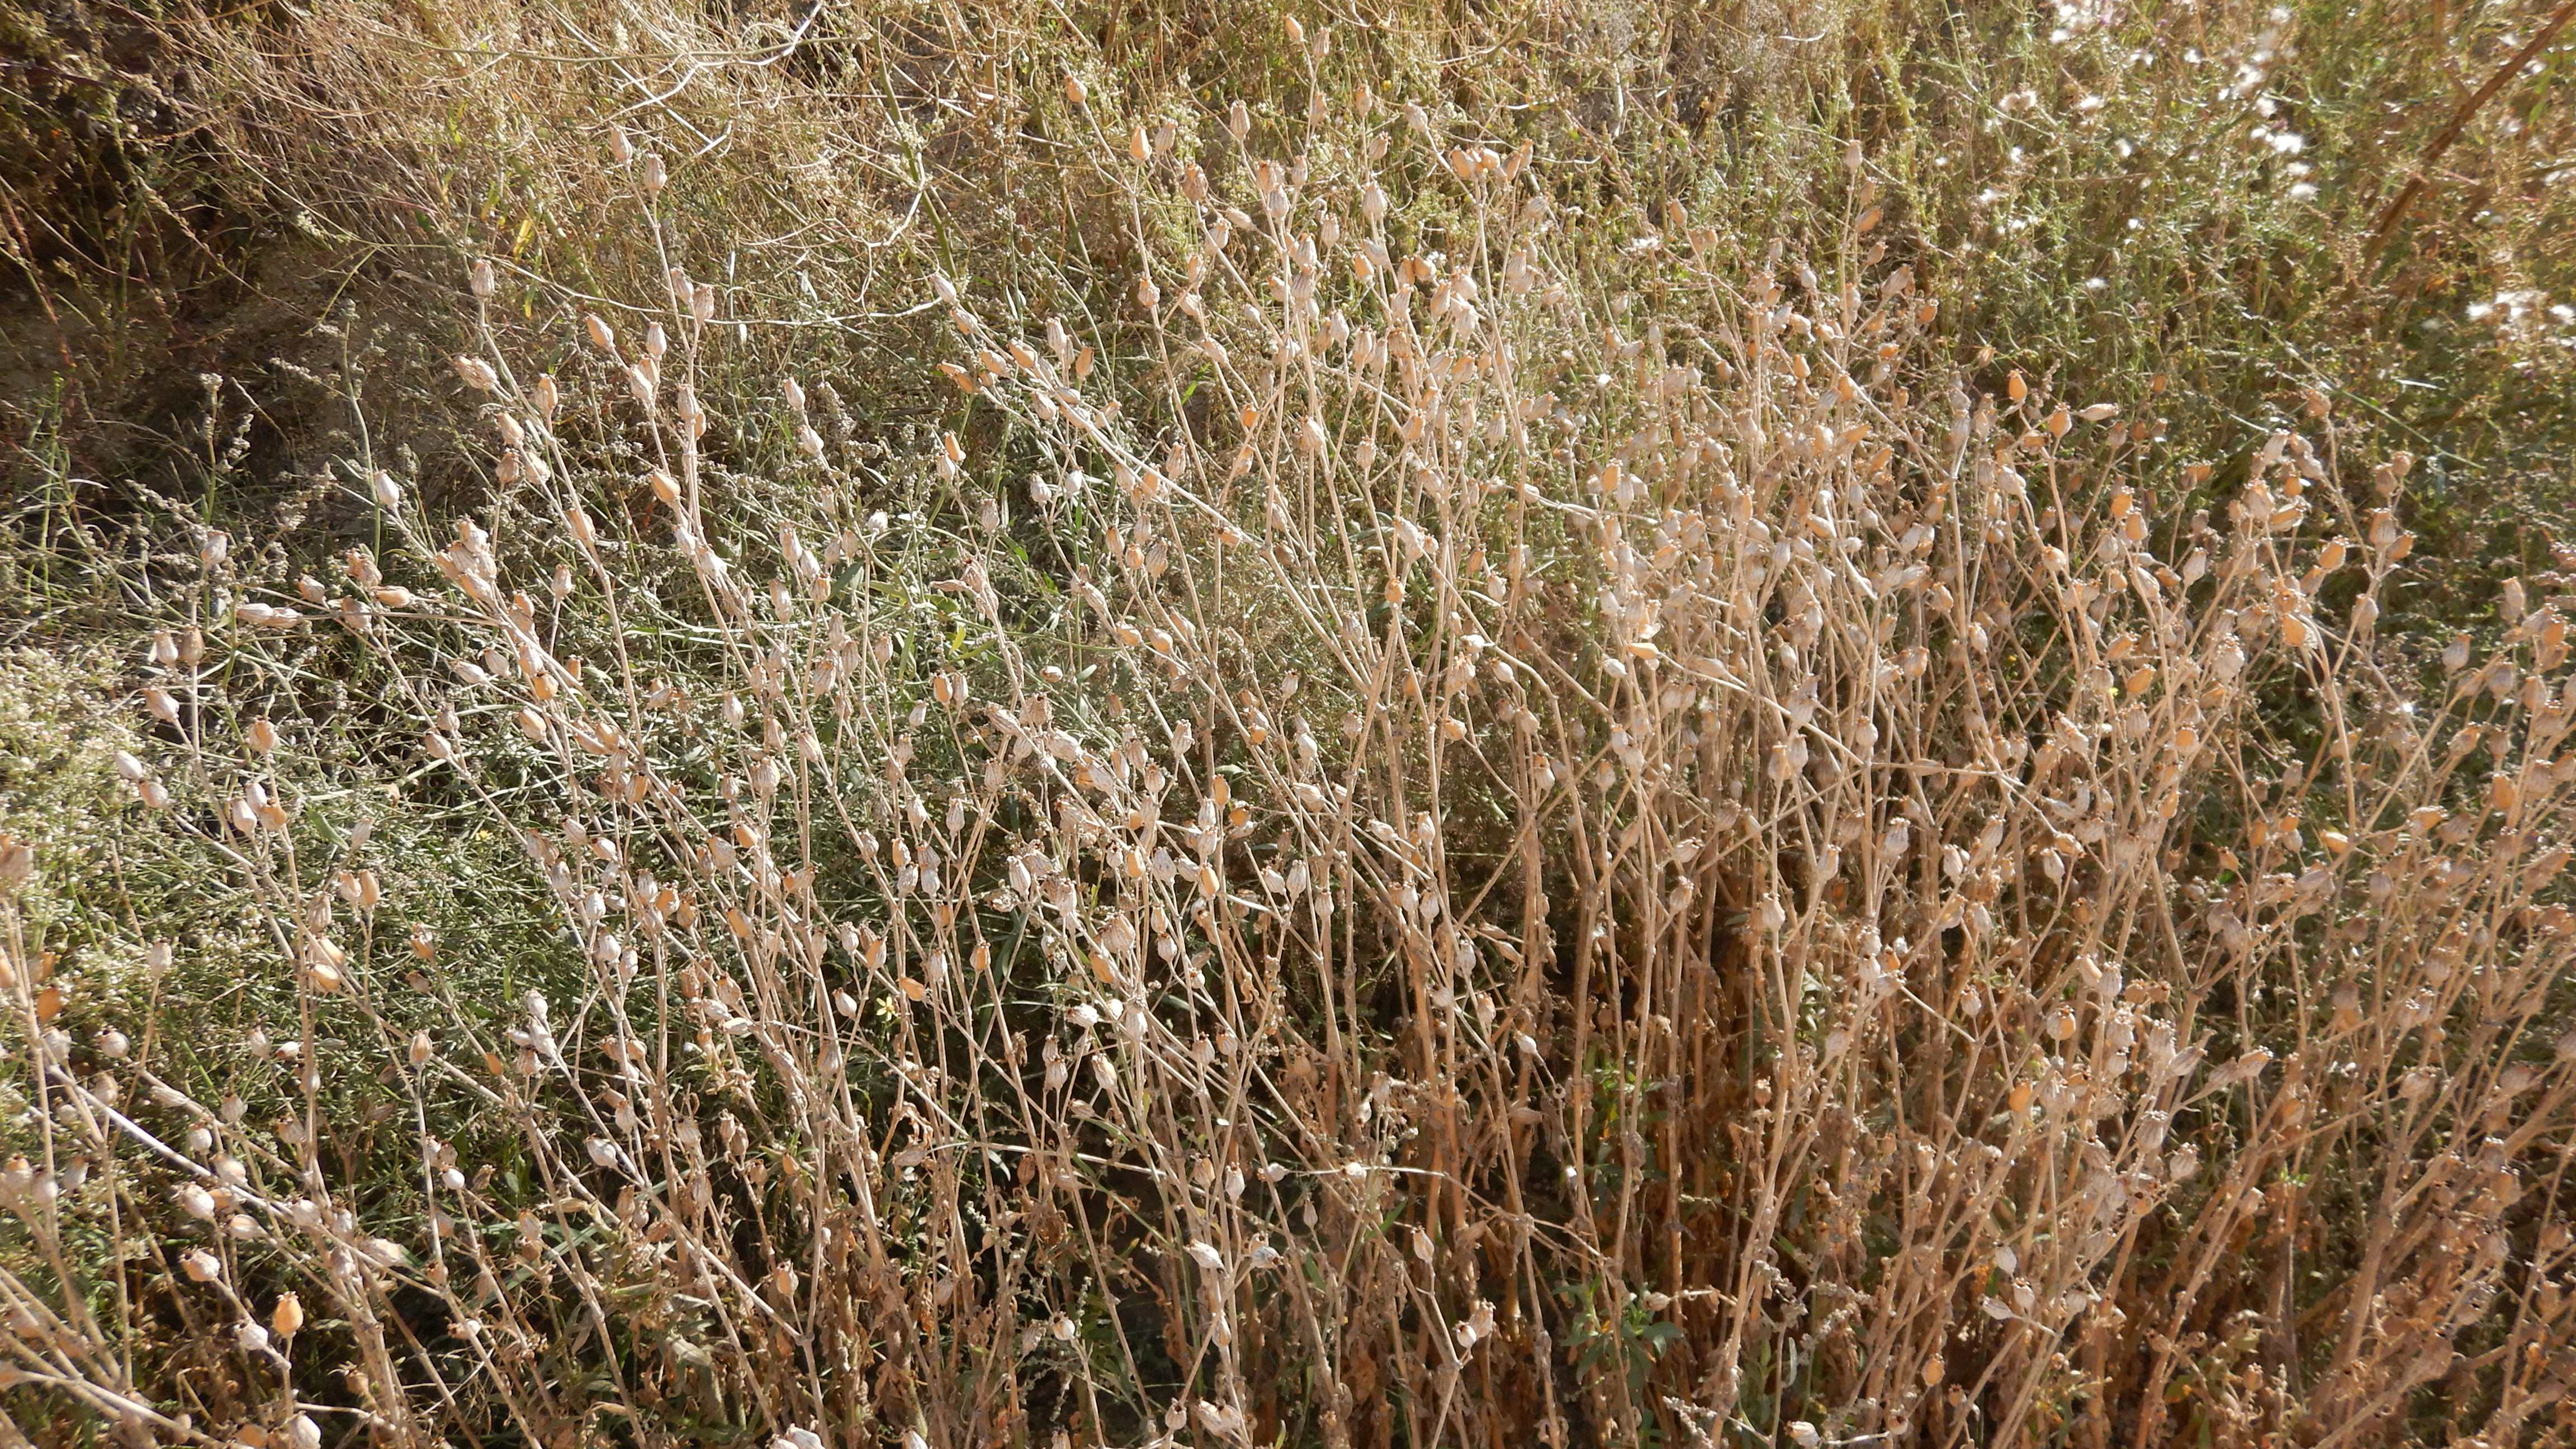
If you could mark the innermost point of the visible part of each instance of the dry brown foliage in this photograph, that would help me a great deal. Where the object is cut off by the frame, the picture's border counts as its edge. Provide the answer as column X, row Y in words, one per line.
column 1399, row 843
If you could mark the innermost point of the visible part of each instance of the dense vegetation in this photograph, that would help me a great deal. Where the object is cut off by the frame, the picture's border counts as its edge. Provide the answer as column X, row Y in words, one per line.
column 1811, row 723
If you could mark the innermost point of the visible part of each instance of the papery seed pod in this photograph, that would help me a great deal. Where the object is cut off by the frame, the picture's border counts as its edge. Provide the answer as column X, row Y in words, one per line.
column 602, row 336
column 477, row 374
column 478, row 278
column 360, row 888
column 1075, row 92
column 387, row 492
column 656, row 175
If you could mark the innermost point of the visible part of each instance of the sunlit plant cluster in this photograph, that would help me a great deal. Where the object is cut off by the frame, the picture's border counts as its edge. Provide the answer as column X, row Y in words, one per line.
column 1431, row 833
